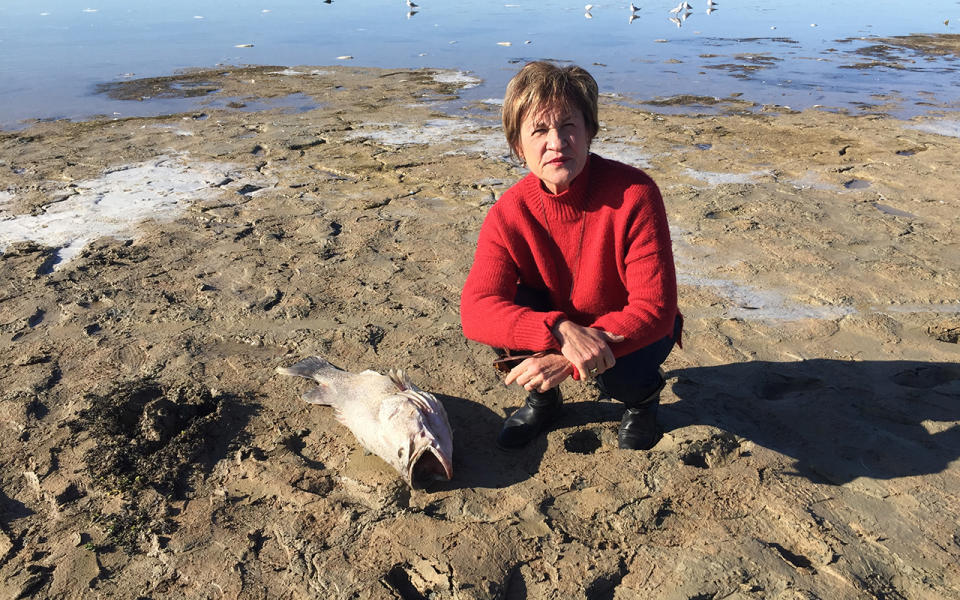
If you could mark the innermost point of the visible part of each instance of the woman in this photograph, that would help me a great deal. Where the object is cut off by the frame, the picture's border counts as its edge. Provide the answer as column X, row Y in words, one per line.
column 573, row 264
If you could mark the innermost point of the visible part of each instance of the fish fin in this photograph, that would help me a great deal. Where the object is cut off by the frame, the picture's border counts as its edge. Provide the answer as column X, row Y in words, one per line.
column 307, row 367
column 316, row 396
column 400, row 378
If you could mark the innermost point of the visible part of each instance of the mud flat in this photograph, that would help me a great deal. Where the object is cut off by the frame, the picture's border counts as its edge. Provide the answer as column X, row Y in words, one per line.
column 149, row 450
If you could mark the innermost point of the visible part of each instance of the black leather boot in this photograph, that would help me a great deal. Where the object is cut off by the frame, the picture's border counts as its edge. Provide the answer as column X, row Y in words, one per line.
column 530, row 419
column 638, row 428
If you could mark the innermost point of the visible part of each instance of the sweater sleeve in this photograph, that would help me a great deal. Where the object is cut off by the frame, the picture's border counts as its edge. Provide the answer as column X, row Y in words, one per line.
column 488, row 312
column 650, row 279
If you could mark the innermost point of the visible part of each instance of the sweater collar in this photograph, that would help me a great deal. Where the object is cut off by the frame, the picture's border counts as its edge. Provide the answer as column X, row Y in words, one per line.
column 567, row 205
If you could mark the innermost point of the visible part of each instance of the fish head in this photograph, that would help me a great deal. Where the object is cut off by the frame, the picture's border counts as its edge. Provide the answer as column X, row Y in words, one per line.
column 430, row 463
column 423, row 439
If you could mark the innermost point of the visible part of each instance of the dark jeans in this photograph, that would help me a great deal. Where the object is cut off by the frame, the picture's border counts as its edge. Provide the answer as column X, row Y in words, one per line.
column 635, row 376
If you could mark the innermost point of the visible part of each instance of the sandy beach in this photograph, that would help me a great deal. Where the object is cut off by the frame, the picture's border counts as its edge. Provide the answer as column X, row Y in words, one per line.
column 812, row 418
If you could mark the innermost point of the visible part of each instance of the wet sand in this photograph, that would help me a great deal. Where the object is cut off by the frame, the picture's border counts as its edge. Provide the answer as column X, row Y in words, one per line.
column 812, row 422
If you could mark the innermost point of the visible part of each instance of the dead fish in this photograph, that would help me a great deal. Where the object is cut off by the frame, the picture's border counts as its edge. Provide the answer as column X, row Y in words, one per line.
column 392, row 418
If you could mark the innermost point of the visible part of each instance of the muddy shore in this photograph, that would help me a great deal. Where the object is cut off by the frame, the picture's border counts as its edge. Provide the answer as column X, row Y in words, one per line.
column 812, row 419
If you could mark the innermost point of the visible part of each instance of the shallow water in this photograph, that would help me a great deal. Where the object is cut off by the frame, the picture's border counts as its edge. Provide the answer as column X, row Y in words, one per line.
column 800, row 54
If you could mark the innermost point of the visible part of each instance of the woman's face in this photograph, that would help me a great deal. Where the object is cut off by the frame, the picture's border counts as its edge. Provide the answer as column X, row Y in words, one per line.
column 554, row 144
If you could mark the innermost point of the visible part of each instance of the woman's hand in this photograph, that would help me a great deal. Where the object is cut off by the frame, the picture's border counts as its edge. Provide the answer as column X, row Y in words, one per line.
column 587, row 348
column 540, row 373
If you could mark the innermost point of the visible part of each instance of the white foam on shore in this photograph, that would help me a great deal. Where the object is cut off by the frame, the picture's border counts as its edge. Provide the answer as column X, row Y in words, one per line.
column 473, row 137
column 625, row 153
column 811, row 181
column 945, row 127
column 458, row 78
column 748, row 302
column 481, row 138
column 715, row 179
column 114, row 204
column 293, row 72
column 745, row 301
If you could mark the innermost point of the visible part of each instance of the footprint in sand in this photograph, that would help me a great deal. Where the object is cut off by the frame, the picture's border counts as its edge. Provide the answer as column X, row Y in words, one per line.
column 925, row 377
column 582, row 442
column 715, row 451
column 777, row 386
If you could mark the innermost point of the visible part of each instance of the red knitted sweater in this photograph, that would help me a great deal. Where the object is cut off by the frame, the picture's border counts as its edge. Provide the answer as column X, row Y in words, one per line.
column 601, row 249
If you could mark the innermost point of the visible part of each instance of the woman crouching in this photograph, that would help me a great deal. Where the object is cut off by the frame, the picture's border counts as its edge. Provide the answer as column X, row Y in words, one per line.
column 573, row 273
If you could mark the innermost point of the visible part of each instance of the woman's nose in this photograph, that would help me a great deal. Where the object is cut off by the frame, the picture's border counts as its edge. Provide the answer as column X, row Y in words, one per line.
column 554, row 141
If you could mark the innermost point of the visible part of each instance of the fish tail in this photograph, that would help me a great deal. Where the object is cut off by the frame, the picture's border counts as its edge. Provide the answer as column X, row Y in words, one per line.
column 308, row 367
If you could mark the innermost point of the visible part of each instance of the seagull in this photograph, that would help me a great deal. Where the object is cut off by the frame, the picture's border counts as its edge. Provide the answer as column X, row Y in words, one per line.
column 679, row 7
column 633, row 8
column 412, row 4
column 678, row 22
column 587, row 7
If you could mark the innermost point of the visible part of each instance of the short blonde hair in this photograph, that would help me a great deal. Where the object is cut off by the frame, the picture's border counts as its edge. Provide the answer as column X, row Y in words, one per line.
column 540, row 84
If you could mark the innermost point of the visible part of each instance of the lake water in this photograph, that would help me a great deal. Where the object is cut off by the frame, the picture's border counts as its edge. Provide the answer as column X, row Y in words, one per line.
column 800, row 54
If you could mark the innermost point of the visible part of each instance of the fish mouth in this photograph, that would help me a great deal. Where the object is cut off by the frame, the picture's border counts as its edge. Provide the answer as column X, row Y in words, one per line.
column 431, row 465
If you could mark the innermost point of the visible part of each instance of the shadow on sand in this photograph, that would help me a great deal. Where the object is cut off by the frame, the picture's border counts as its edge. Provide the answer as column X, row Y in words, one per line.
column 478, row 462
column 11, row 510
column 839, row 420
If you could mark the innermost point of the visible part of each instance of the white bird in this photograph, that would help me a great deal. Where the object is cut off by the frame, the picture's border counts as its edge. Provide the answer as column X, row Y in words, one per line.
column 412, row 4
column 686, row 5
column 674, row 11
column 634, row 8
column 677, row 21
column 587, row 7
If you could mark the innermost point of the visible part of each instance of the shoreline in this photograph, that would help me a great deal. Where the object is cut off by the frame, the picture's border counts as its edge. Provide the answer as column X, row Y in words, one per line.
column 878, row 54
